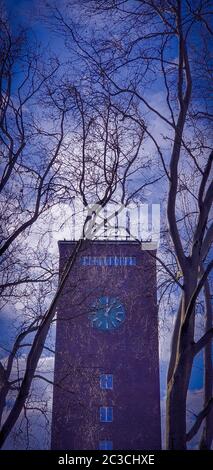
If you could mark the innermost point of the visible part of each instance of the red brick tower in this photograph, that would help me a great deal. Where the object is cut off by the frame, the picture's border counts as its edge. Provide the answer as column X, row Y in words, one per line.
column 106, row 392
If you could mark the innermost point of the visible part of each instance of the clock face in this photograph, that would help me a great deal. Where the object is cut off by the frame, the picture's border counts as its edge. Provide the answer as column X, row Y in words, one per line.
column 107, row 313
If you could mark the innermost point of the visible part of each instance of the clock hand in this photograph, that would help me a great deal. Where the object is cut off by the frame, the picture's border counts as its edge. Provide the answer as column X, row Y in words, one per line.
column 108, row 310
column 111, row 306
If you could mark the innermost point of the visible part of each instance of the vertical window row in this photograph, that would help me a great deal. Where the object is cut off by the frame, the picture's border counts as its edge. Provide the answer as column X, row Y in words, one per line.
column 106, row 412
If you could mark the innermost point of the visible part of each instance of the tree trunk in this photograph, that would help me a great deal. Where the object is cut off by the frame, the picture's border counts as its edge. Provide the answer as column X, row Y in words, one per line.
column 207, row 434
column 4, row 388
column 176, row 404
column 180, row 370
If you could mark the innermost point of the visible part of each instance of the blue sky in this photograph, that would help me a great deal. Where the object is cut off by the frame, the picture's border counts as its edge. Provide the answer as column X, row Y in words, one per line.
column 26, row 13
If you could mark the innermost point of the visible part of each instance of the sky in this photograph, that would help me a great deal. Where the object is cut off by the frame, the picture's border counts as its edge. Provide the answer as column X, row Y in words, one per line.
column 25, row 12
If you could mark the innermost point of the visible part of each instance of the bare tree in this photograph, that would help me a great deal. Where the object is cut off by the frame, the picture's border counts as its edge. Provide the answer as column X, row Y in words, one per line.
column 101, row 112
column 89, row 152
column 31, row 141
column 30, row 144
column 164, row 46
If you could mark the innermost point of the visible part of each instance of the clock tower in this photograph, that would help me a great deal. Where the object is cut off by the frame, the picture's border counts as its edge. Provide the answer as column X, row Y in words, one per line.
column 106, row 385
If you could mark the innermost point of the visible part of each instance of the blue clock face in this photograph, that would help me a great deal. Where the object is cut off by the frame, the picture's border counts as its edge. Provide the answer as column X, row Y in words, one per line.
column 107, row 313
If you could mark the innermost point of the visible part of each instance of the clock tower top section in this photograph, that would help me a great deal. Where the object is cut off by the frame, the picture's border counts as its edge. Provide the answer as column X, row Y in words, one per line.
column 108, row 254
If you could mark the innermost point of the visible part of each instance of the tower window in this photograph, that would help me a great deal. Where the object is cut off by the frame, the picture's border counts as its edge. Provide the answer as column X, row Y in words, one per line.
column 106, row 381
column 105, row 445
column 106, row 414
column 108, row 261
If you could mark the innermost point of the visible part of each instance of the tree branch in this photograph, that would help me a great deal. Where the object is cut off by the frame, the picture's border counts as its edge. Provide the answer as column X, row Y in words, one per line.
column 197, row 290
column 200, row 417
column 202, row 342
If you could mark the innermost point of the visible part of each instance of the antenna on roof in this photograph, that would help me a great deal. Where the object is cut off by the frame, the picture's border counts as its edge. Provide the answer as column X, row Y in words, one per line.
column 73, row 226
column 139, row 223
column 105, row 222
column 116, row 224
column 127, row 224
